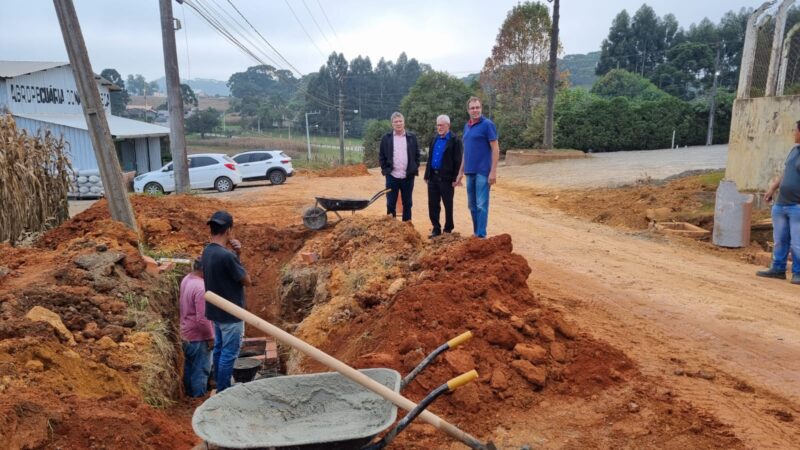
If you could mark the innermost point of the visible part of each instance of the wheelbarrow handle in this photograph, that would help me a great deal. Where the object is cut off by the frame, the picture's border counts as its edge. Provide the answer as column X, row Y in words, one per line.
column 377, row 196
column 333, row 363
column 451, row 344
column 450, row 386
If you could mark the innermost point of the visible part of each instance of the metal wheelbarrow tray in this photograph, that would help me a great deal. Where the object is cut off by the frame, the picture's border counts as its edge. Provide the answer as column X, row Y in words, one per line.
column 316, row 411
column 316, row 217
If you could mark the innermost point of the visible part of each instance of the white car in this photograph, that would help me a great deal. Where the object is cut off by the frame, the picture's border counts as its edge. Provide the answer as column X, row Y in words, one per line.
column 206, row 171
column 272, row 165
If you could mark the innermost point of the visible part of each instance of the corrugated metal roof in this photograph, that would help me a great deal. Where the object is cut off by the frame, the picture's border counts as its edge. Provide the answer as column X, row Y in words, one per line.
column 10, row 69
column 120, row 127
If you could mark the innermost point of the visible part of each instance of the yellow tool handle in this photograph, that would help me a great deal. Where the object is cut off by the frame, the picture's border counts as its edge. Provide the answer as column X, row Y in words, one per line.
column 462, row 379
column 460, row 339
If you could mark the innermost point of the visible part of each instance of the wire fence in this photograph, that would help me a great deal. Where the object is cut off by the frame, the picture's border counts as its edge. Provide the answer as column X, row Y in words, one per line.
column 763, row 55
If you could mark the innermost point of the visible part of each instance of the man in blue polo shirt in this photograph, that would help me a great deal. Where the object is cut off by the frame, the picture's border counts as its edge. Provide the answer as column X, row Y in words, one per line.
column 786, row 215
column 481, row 154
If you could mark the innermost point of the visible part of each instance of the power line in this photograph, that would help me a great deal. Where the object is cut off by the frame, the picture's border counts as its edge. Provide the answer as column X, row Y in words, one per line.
column 304, row 28
column 233, row 23
column 186, row 40
column 265, row 40
column 325, row 15
column 318, row 27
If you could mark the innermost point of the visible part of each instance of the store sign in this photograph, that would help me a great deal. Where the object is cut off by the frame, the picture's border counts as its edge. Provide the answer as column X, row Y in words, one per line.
column 50, row 95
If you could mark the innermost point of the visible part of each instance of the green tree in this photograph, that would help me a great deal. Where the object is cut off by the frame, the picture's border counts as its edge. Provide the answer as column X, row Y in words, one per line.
column 433, row 94
column 203, row 121
column 514, row 77
column 373, row 132
column 621, row 83
column 120, row 98
column 187, row 94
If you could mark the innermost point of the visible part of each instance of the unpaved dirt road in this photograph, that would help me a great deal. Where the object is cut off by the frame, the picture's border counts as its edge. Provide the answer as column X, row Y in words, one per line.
column 703, row 326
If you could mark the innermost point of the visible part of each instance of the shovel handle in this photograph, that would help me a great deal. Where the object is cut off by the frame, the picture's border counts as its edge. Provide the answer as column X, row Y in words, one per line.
column 347, row 371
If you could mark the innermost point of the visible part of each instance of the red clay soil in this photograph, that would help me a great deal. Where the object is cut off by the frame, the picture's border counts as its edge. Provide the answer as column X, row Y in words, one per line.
column 353, row 170
column 41, row 419
column 529, row 359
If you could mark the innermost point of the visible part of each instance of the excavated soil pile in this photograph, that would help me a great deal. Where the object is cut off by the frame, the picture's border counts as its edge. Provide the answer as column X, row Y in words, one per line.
column 354, row 170
column 409, row 298
column 88, row 339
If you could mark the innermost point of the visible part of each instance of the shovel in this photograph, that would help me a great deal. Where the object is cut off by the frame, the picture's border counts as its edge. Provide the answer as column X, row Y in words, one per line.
column 345, row 370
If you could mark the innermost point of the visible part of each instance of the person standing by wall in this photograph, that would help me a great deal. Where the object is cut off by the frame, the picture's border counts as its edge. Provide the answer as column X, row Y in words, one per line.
column 197, row 332
column 479, row 165
column 444, row 162
column 399, row 158
column 225, row 276
column 786, row 216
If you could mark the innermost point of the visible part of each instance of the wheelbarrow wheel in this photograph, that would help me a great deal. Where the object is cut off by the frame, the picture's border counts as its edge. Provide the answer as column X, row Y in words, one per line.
column 315, row 218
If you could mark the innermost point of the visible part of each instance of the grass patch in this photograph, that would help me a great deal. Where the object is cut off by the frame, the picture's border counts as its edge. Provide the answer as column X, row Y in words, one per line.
column 712, row 179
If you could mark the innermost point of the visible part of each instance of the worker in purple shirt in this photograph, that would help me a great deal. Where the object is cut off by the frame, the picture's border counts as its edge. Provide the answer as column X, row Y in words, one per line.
column 479, row 165
column 399, row 158
column 444, row 162
column 197, row 332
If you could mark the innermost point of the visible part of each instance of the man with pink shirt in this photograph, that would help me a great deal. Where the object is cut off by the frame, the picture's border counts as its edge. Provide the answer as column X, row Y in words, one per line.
column 399, row 158
column 197, row 332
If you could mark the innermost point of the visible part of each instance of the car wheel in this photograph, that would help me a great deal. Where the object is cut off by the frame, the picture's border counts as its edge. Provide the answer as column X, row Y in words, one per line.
column 276, row 177
column 315, row 218
column 153, row 189
column 223, row 184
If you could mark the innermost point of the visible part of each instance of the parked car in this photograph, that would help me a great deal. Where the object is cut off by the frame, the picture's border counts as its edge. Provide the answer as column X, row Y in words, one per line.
column 272, row 165
column 206, row 171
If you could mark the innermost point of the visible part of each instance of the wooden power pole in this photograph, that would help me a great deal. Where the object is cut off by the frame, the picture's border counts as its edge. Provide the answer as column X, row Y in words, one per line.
column 177, row 134
column 96, row 122
column 551, row 80
column 713, row 107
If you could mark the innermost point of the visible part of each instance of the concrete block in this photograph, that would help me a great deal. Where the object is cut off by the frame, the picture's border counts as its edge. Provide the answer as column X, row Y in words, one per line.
column 732, row 216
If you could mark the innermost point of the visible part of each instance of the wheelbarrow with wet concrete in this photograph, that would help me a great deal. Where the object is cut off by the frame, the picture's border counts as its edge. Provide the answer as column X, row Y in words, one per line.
column 316, row 217
column 340, row 410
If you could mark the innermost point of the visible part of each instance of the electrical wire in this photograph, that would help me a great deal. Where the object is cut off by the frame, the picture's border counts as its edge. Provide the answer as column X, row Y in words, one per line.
column 186, row 40
column 265, row 40
column 304, row 28
column 318, row 27
column 325, row 15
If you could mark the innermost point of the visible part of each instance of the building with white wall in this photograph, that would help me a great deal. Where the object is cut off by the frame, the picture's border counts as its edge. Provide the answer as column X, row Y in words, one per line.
column 44, row 96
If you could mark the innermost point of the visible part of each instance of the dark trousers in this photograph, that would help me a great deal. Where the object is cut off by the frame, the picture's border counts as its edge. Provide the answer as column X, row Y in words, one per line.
column 440, row 192
column 406, row 187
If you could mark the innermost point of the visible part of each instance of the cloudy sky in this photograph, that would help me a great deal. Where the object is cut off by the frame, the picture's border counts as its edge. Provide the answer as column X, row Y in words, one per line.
column 453, row 36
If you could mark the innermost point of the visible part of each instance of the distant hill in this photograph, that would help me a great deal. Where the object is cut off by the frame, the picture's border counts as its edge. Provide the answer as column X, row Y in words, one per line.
column 581, row 69
column 205, row 86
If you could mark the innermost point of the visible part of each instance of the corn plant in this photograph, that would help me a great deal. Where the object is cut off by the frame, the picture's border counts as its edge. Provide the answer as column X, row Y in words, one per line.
column 34, row 181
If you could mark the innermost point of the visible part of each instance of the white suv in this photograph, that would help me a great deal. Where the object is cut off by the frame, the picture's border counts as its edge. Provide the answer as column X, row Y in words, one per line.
column 272, row 165
column 206, row 171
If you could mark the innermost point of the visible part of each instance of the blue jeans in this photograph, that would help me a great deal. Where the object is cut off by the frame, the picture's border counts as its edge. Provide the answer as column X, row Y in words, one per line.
column 406, row 187
column 786, row 232
column 478, row 202
column 227, row 342
column 196, row 367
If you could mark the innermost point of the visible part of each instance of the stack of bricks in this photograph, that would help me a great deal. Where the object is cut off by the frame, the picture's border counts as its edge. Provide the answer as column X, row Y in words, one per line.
column 267, row 350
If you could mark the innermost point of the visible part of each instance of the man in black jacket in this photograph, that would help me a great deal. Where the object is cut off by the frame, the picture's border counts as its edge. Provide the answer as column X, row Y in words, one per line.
column 399, row 158
column 444, row 161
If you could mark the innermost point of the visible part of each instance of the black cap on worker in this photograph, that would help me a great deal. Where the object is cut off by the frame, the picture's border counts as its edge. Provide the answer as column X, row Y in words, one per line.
column 222, row 218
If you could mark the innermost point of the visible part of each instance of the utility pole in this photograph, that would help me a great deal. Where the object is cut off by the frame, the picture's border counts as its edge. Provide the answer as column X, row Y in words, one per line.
column 341, row 125
column 551, row 80
column 177, row 133
column 97, row 124
column 308, row 135
column 712, row 108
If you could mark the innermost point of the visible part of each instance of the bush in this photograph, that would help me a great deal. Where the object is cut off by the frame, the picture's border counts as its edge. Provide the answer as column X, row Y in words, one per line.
column 373, row 132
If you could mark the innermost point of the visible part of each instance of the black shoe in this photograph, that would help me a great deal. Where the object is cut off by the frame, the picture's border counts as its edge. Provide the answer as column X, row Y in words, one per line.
column 434, row 233
column 772, row 273
column 796, row 278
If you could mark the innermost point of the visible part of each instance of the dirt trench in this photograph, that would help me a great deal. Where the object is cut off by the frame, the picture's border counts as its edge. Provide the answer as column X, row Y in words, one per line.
column 378, row 296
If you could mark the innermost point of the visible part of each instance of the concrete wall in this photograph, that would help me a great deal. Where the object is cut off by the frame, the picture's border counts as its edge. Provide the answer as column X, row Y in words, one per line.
column 761, row 137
